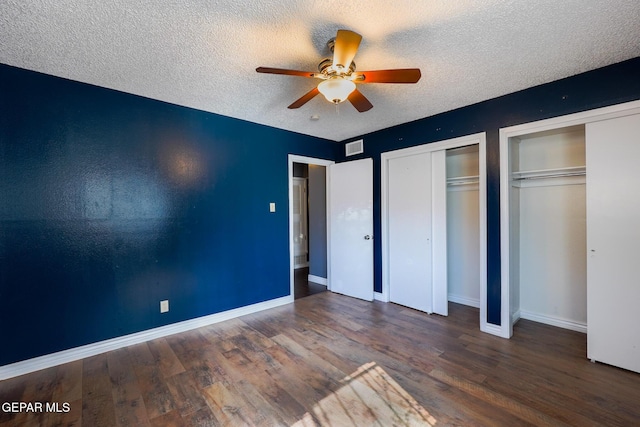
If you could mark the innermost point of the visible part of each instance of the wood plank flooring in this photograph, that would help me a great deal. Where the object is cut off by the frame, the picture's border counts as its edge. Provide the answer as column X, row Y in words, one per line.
column 302, row 287
column 332, row 360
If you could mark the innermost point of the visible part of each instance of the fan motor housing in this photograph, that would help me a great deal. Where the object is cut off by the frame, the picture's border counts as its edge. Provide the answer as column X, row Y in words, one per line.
column 325, row 67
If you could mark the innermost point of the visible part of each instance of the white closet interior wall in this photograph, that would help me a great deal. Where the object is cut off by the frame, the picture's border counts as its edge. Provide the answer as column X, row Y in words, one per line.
column 548, row 228
column 463, row 228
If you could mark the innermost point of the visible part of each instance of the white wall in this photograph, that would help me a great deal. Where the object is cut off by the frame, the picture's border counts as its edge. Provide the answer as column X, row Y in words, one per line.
column 553, row 247
column 551, row 149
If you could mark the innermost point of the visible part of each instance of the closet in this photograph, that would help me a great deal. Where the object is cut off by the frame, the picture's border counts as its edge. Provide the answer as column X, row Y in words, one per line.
column 433, row 225
column 548, row 227
column 569, row 228
column 463, row 225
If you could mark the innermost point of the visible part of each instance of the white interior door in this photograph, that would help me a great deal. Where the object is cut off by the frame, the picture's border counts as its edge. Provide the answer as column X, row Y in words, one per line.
column 300, row 240
column 409, row 231
column 613, row 237
column 351, row 228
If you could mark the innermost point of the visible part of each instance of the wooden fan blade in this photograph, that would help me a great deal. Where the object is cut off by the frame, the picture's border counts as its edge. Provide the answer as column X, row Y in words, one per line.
column 305, row 98
column 268, row 70
column 345, row 47
column 401, row 75
column 359, row 101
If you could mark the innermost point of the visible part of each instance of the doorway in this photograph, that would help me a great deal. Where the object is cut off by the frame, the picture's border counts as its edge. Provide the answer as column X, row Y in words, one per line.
column 307, row 225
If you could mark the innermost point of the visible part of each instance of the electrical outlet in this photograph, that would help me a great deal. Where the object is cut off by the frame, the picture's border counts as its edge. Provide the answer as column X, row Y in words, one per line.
column 164, row 306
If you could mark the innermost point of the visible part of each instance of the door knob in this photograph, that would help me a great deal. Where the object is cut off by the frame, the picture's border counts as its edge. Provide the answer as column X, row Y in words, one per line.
column 368, row 237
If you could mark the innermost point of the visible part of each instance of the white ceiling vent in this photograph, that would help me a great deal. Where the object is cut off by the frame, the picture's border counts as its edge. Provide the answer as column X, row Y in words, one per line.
column 355, row 147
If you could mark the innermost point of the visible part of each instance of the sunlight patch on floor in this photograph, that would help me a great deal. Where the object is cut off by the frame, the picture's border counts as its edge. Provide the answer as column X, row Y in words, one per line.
column 368, row 397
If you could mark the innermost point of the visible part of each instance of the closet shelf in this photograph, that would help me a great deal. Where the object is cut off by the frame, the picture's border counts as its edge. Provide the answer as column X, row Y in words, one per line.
column 463, row 180
column 549, row 173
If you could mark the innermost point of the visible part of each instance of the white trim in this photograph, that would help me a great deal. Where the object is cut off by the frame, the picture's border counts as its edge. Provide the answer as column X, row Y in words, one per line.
column 294, row 158
column 66, row 356
column 379, row 296
column 492, row 329
column 481, row 140
column 439, row 301
column 506, row 321
column 317, row 279
column 458, row 299
column 554, row 321
column 582, row 118
column 482, row 184
column 515, row 317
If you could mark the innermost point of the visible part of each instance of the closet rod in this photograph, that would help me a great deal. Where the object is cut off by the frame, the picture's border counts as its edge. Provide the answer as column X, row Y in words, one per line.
column 454, row 183
column 556, row 175
column 549, row 173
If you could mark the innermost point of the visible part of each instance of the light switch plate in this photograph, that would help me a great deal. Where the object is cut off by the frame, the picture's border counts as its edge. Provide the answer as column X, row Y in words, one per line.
column 272, row 207
column 164, row 306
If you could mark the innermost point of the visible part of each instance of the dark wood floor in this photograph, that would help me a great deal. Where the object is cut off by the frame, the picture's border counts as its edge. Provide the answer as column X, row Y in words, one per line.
column 302, row 286
column 283, row 367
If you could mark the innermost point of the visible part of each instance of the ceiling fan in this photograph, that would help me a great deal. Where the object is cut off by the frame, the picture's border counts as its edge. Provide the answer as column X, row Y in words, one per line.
column 339, row 75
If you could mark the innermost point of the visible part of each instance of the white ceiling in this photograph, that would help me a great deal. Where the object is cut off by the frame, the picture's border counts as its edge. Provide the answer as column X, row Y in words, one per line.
column 203, row 54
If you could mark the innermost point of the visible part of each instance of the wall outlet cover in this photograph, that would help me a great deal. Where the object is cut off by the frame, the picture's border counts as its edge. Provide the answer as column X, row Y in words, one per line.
column 164, row 306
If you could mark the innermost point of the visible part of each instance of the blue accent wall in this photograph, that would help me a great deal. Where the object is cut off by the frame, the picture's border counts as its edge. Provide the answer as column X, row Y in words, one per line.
column 111, row 202
column 599, row 88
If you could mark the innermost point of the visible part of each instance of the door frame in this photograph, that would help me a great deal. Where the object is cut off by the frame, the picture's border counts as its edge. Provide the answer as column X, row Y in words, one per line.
column 294, row 158
column 505, row 329
column 473, row 139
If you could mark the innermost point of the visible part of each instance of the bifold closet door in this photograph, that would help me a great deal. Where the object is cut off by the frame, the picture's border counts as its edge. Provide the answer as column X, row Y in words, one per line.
column 410, row 231
column 613, row 241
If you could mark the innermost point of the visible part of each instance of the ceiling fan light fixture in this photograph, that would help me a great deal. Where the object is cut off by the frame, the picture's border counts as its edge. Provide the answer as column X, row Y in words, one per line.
column 339, row 80
column 336, row 90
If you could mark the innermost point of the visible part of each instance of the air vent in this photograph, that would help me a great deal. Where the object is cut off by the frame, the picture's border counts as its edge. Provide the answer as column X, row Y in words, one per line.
column 355, row 147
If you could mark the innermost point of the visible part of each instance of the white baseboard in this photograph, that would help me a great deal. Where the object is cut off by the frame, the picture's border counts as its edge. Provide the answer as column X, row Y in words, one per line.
column 554, row 321
column 515, row 317
column 492, row 329
column 66, row 356
column 471, row 302
column 379, row 296
column 317, row 279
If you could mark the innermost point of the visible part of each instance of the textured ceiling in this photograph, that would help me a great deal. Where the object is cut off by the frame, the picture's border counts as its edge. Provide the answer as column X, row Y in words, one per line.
column 203, row 54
